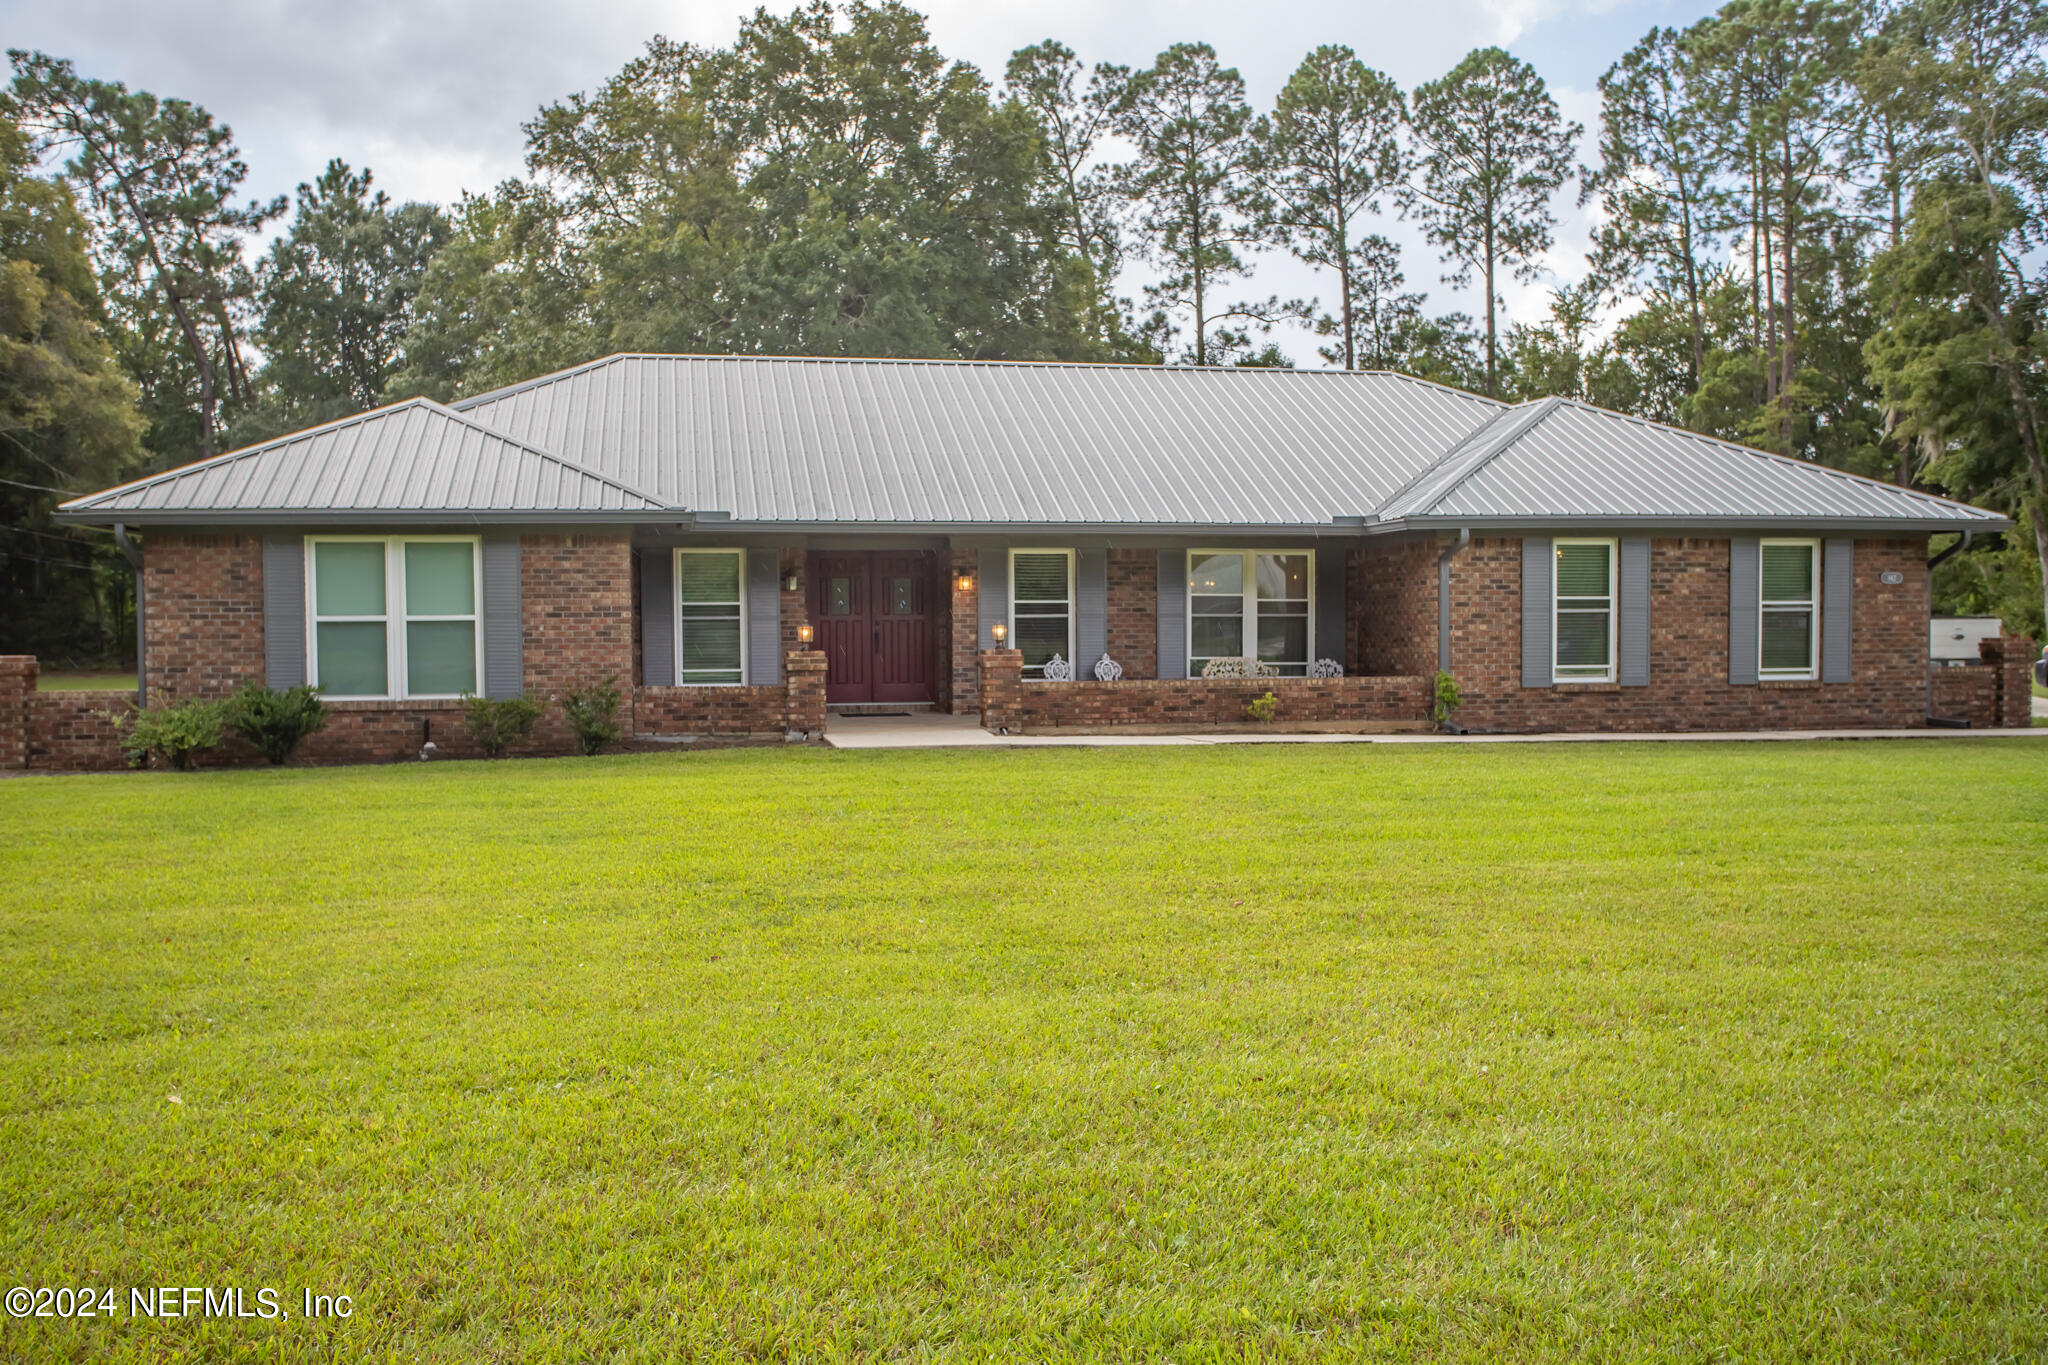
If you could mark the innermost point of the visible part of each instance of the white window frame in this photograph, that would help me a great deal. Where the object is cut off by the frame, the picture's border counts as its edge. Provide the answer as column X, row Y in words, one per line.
column 1073, row 591
column 676, row 612
column 1557, row 673
column 1812, row 605
column 1250, row 581
column 394, row 619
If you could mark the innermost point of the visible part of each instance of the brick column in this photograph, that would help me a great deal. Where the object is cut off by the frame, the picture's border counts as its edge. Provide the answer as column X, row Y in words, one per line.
column 795, row 606
column 2013, row 657
column 18, row 674
column 803, row 685
column 966, row 619
column 1002, row 689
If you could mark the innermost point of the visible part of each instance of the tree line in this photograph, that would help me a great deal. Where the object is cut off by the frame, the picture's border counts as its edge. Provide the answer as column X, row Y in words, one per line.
column 1821, row 230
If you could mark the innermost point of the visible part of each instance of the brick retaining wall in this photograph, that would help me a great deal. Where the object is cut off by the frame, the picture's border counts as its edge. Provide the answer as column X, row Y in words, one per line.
column 1140, row 702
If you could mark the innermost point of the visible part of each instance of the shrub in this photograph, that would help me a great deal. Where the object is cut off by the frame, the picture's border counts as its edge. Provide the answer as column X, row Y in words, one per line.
column 1262, row 709
column 495, row 724
column 173, row 732
column 1446, row 699
column 276, row 722
column 593, row 714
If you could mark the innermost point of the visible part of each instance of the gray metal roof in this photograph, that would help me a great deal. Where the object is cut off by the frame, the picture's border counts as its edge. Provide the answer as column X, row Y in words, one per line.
column 415, row 459
column 964, row 446
column 961, row 443
column 1561, row 461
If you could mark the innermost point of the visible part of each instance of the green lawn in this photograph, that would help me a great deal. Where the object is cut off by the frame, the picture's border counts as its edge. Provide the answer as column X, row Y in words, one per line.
column 62, row 681
column 1572, row 1053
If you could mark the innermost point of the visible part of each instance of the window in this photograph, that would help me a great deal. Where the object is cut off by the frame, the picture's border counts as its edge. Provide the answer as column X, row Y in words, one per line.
column 710, row 617
column 1250, row 604
column 1789, row 621
column 394, row 616
column 1042, row 607
column 1583, row 594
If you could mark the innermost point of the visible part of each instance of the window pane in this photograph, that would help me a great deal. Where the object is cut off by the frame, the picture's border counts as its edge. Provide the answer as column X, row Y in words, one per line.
column 348, row 579
column 839, row 597
column 351, row 658
column 712, row 643
column 1283, row 639
column 1582, row 570
column 708, row 577
column 1217, row 574
column 1217, row 637
column 1041, row 637
column 440, row 578
column 900, row 597
column 1283, row 576
column 1582, row 640
column 440, row 657
column 1787, row 641
column 1788, row 573
column 1039, row 577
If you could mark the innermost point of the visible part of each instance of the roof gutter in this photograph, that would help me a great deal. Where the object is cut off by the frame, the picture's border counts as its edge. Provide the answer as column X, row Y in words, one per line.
column 134, row 557
column 1962, row 544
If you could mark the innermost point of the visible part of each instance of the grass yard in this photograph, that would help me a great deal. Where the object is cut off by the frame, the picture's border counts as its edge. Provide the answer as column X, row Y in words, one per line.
column 1571, row 1053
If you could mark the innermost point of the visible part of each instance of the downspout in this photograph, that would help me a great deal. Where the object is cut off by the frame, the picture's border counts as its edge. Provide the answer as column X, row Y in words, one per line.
column 1961, row 544
column 1443, row 598
column 141, row 634
column 1443, row 609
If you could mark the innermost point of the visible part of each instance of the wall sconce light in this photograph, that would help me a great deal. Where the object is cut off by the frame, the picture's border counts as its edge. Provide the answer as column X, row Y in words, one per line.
column 1001, row 632
column 965, row 582
column 803, row 633
column 791, row 583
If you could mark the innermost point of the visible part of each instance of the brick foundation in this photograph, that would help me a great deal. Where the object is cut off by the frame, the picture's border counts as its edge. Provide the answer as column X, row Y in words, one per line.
column 1689, row 687
column 1364, row 702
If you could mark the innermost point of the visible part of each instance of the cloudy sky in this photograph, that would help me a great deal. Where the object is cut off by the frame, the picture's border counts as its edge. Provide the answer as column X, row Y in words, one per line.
column 430, row 93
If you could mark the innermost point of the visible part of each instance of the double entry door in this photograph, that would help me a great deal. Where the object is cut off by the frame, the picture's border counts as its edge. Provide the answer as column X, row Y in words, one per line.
column 871, row 612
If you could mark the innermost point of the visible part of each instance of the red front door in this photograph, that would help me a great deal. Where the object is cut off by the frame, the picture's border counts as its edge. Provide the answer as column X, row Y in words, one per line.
column 871, row 611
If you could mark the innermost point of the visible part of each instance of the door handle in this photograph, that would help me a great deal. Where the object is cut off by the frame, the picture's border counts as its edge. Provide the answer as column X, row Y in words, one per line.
column 878, row 639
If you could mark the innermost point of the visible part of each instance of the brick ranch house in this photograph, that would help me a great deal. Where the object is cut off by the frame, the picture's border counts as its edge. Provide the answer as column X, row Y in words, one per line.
column 751, row 544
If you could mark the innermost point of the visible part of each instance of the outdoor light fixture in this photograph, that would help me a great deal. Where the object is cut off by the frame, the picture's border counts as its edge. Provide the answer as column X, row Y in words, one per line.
column 803, row 633
column 964, row 582
column 1000, row 631
column 791, row 583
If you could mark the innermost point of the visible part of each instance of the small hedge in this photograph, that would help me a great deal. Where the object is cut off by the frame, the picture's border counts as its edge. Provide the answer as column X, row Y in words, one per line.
column 496, row 724
column 276, row 722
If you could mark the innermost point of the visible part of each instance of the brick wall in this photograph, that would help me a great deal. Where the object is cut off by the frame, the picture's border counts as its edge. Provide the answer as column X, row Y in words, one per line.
column 963, row 692
column 1968, row 693
column 1375, row 701
column 576, row 601
column 804, row 708
column 18, row 676
column 1391, row 609
column 1689, row 687
column 2010, row 659
column 795, row 607
column 755, row 709
column 203, row 596
column 1000, row 689
column 1134, row 611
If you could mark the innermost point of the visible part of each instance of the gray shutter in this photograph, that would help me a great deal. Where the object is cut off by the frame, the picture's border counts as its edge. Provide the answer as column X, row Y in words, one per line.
column 764, row 616
column 1537, row 580
column 658, row 617
column 284, row 611
column 1837, row 612
column 1634, row 607
column 504, row 630
column 1091, row 610
column 1173, row 613
column 1329, row 641
column 1745, row 567
column 993, row 600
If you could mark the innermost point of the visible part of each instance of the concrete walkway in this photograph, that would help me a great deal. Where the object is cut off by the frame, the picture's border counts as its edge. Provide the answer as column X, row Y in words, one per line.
column 933, row 731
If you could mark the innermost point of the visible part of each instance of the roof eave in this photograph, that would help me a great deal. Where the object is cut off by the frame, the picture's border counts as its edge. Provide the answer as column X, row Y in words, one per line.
column 364, row 516
column 1789, row 522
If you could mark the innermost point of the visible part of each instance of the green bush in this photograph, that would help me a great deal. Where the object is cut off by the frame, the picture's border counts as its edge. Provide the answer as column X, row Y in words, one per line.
column 1446, row 699
column 1262, row 709
column 495, row 724
column 593, row 714
column 276, row 722
column 173, row 732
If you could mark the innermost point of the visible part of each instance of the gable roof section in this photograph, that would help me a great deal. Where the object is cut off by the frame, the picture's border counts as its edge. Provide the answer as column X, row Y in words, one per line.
column 1562, row 462
column 413, row 460
column 958, row 443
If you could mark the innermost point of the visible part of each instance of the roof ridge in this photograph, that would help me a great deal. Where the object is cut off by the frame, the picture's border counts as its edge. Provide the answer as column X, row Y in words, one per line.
column 1501, row 430
column 555, row 376
column 420, row 401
